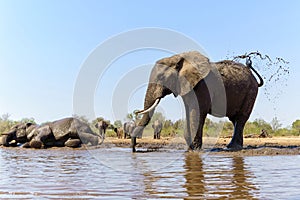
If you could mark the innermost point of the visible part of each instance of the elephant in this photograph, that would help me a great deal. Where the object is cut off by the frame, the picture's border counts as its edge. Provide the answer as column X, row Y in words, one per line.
column 225, row 88
column 17, row 134
column 102, row 126
column 128, row 129
column 119, row 132
column 157, row 126
column 70, row 132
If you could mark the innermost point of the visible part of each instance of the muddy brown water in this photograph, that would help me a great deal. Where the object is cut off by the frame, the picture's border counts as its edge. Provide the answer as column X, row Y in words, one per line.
column 116, row 173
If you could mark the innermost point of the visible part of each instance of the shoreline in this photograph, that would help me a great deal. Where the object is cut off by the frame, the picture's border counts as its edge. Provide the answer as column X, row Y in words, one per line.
column 289, row 145
column 223, row 141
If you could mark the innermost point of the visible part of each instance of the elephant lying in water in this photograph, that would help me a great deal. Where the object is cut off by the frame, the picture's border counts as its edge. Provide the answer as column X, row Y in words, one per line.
column 69, row 132
column 17, row 134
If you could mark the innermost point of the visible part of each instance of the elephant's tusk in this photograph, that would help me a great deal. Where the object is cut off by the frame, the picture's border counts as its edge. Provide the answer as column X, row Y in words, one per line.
column 149, row 109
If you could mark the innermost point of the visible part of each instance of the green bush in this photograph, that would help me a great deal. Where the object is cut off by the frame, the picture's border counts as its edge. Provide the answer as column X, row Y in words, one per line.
column 110, row 133
column 6, row 124
column 286, row 132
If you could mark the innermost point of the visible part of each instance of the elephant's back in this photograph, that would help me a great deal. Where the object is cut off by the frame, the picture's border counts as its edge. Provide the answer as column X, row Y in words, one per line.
column 69, row 127
column 81, row 127
column 61, row 128
column 236, row 75
column 240, row 85
column 64, row 123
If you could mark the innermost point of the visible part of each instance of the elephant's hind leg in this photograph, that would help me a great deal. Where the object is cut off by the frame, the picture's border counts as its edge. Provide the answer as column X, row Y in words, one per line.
column 236, row 142
column 240, row 120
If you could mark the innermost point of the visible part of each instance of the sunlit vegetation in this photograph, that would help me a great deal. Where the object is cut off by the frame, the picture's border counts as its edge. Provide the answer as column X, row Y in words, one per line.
column 176, row 128
column 6, row 123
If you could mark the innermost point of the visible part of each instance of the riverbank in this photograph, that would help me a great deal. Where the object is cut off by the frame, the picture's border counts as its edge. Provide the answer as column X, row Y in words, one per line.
column 252, row 146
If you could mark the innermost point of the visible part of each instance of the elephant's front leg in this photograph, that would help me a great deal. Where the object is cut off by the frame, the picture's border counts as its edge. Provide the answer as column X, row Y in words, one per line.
column 196, row 123
column 187, row 132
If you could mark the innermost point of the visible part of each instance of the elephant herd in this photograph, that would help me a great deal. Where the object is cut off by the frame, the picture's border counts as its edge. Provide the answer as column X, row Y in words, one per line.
column 223, row 89
column 129, row 127
column 68, row 132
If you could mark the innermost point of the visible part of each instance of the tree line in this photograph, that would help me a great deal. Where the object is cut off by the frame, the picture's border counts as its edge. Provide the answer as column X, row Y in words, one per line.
column 173, row 128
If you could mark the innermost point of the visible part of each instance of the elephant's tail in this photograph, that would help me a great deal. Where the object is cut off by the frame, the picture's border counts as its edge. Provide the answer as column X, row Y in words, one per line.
column 249, row 64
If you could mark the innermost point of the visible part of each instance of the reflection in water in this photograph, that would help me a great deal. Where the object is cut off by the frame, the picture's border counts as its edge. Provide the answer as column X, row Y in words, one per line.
column 194, row 175
column 243, row 188
column 162, row 174
column 217, row 177
column 44, row 173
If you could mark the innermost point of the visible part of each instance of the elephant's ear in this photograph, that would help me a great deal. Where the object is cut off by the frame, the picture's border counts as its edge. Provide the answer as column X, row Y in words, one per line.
column 192, row 68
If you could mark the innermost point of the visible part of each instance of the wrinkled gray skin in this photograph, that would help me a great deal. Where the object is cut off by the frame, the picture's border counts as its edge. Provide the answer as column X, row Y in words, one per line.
column 17, row 134
column 128, row 129
column 69, row 132
column 102, row 126
column 157, row 126
column 201, row 84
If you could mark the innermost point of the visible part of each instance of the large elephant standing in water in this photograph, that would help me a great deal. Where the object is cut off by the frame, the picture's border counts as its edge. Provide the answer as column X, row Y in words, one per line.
column 225, row 88
column 69, row 132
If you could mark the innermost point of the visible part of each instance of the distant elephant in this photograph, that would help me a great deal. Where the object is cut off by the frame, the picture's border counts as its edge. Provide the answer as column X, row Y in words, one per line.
column 157, row 126
column 128, row 129
column 102, row 126
column 224, row 88
column 69, row 132
column 119, row 132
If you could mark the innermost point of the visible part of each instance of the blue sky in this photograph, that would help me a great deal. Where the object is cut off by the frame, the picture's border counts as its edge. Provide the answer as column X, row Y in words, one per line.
column 43, row 45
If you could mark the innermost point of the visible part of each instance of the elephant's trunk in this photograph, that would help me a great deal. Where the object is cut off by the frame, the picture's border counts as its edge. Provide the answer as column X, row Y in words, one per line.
column 146, row 118
column 153, row 95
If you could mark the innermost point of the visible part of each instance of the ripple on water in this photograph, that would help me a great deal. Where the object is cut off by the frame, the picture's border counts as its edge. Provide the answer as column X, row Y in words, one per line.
column 116, row 173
